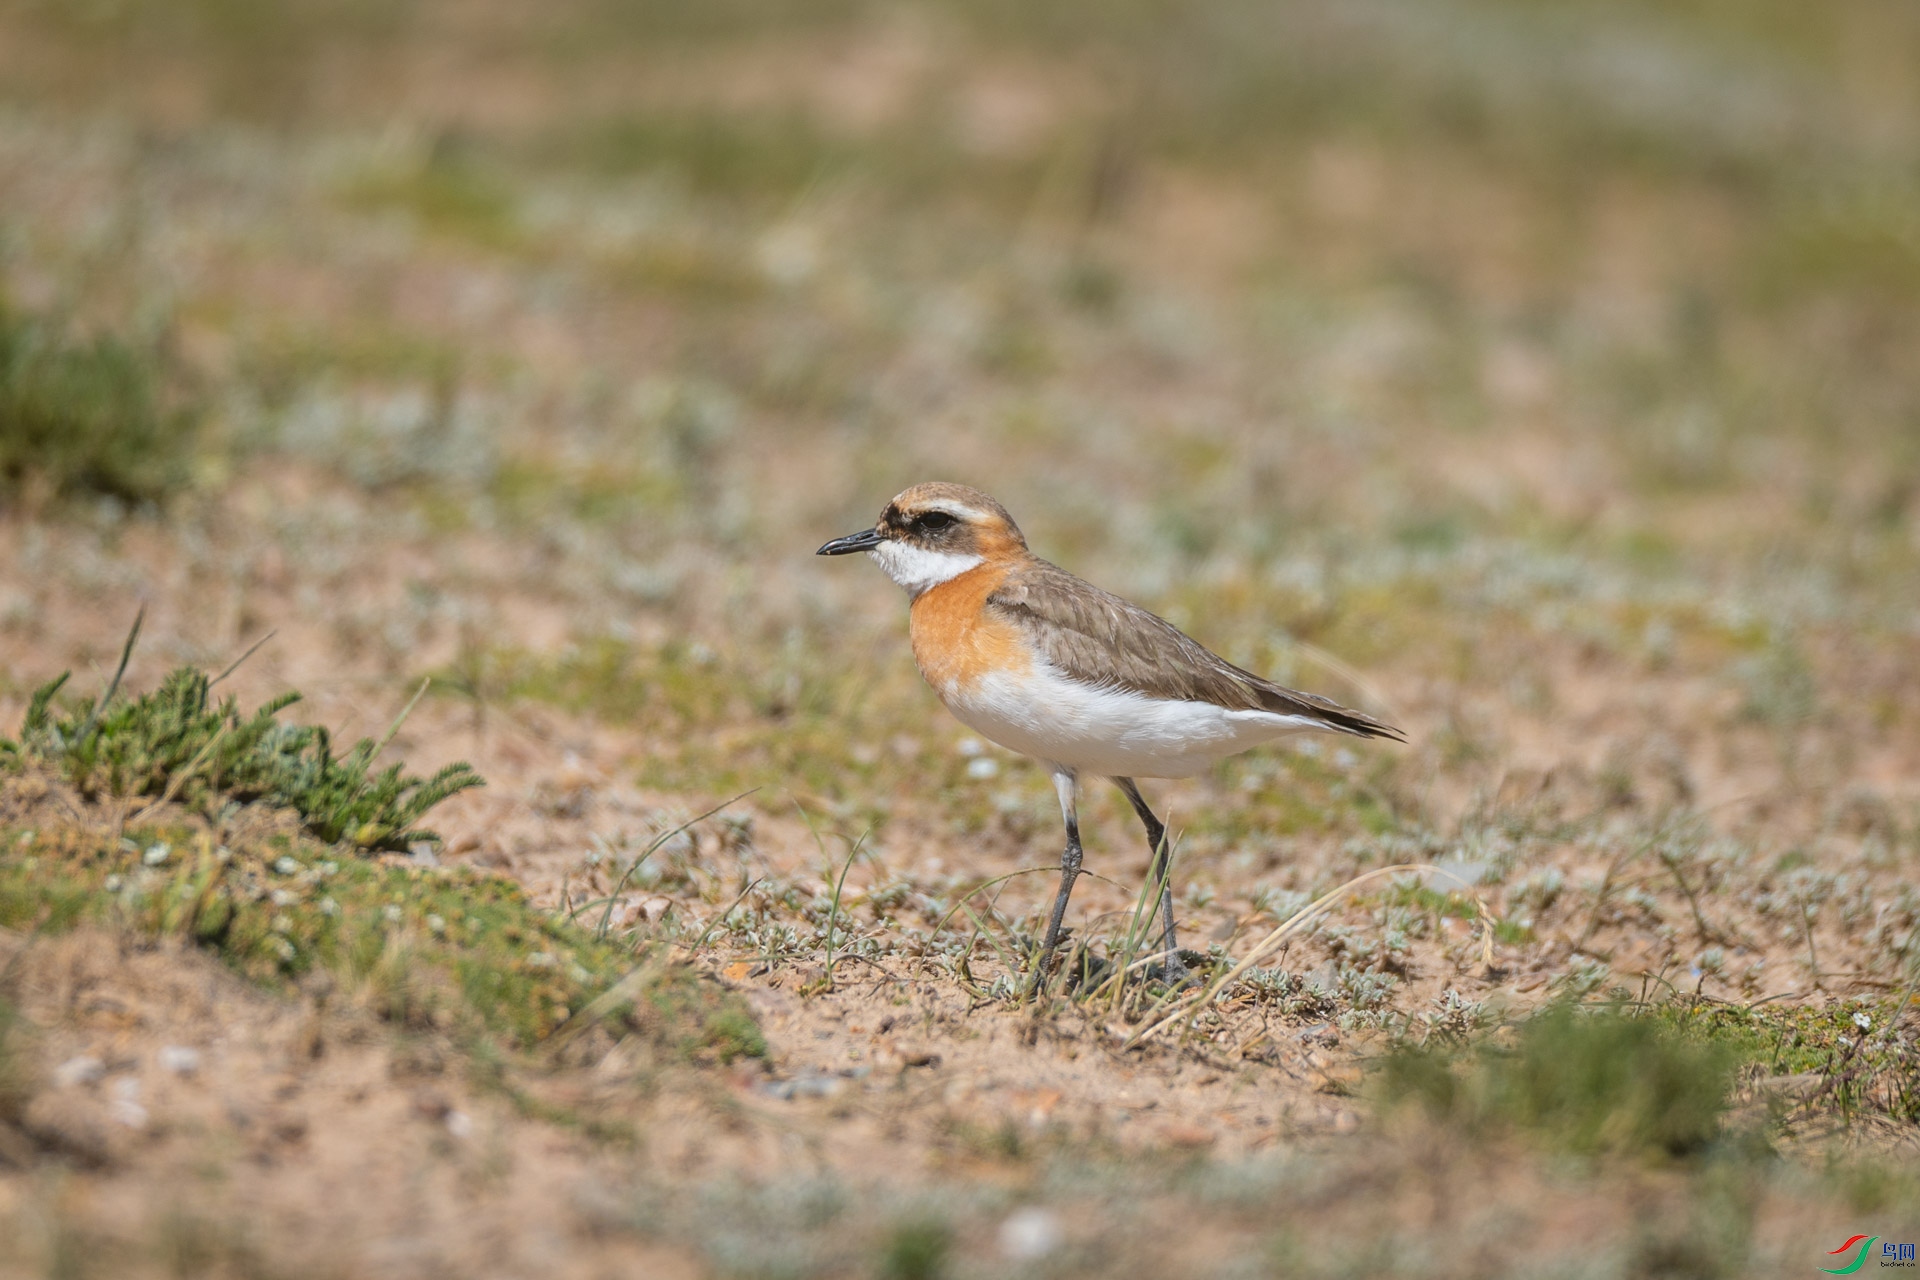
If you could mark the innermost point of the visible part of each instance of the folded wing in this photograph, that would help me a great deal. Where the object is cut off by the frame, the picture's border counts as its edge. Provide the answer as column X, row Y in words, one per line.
column 1095, row 637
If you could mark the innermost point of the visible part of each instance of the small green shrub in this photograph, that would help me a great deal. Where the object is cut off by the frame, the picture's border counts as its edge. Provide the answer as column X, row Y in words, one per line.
column 447, row 949
column 450, row 190
column 88, row 417
column 916, row 1251
column 1584, row 1082
column 176, row 742
column 15, row 1087
column 1862, row 1054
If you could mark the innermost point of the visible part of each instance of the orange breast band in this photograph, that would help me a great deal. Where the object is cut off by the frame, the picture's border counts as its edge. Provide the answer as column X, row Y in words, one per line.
column 956, row 641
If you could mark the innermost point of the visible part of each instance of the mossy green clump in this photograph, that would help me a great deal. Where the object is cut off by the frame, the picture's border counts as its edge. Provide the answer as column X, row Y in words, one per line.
column 177, row 742
column 443, row 949
column 448, row 949
column 80, row 417
column 1846, row 1043
column 15, row 1086
column 1587, row 1082
column 916, row 1250
column 451, row 191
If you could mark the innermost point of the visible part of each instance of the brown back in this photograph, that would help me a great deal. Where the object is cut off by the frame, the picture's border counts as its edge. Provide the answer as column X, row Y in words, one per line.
column 1096, row 637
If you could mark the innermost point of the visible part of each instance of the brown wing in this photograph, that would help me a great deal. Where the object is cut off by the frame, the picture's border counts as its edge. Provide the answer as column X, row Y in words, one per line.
column 1095, row 636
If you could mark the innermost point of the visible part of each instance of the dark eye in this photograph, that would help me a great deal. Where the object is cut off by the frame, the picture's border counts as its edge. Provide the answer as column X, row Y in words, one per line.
column 933, row 522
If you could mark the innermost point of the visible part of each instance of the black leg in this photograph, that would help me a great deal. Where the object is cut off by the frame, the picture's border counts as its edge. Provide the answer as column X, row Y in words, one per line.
column 1065, row 784
column 1157, row 841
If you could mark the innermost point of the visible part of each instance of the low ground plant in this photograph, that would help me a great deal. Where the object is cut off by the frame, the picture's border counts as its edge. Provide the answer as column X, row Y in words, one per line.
column 177, row 743
column 89, row 416
column 1587, row 1082
column 426, row 948
column 280, row 896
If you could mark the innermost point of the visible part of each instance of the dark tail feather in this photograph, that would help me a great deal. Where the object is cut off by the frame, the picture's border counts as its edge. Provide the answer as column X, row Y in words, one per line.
column 1291, row 702
column 1360, row 725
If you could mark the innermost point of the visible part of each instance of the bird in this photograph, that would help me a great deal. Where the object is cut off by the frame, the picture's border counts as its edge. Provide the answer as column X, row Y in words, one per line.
column 1086, row 683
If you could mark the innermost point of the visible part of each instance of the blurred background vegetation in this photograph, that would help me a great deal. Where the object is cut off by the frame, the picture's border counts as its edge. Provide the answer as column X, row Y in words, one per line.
column 1464, row 338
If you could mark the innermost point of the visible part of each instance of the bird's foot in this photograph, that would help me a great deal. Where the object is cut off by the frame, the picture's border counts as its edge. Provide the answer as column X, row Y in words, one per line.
column 1040, row 961
column 1173, row 970
column 1087, row 971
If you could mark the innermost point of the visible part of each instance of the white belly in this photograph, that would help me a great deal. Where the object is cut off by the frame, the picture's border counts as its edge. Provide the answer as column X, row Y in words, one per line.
column 1111, row 732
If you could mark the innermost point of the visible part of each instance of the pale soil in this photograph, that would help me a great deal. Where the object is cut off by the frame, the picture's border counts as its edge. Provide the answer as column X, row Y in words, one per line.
column 307, row 1142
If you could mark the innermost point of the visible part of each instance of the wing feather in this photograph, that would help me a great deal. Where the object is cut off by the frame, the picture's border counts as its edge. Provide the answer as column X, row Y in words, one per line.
column 1098, row 638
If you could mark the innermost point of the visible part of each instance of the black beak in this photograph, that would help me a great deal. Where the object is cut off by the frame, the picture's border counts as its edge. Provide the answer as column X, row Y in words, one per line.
column 865, row 540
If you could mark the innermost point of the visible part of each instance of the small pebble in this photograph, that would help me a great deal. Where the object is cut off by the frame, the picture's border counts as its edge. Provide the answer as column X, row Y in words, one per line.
column 433, row 1104
column 1029, row 1234
column 459, row 1124
column 84, row 1069
column 179, row 1059
column 802, row 1086
column 1192, row 1136
column 156, row 854
column 125, row 1107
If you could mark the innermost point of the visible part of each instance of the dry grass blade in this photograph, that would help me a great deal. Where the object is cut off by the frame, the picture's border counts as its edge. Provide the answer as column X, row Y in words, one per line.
column 596, row 1010
column 119, row 673
column 613, row 898
column 839, row 884
column 721, row 917
column 393, row 730
column 240, row 661
column 179, row 780
column 982, row 887
column 1193, row 1001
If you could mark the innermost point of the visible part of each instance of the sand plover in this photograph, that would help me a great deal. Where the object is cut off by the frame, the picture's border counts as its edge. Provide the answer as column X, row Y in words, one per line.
column 1052, row 667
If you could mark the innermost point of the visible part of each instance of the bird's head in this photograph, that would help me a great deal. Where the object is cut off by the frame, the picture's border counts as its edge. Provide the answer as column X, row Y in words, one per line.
column 932, row 533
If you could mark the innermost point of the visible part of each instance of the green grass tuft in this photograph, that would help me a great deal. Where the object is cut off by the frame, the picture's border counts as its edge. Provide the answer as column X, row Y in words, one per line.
column 450, row 190
column 1861, row 1063
column 448, row 950
column 1589, row 1083
column 15, row 1086
column 176, row 742
column 916, row 1251
column 432, row 949
column 88, row 417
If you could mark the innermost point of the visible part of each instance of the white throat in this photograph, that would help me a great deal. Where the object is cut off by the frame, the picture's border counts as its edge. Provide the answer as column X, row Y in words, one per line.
column 918, row 569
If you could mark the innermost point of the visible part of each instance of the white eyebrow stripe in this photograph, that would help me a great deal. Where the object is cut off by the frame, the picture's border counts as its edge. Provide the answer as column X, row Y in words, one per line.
column 957, row 510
